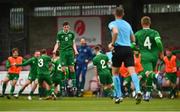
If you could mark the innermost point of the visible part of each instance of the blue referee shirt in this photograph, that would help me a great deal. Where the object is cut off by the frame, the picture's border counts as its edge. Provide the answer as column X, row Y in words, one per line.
column 124, row 32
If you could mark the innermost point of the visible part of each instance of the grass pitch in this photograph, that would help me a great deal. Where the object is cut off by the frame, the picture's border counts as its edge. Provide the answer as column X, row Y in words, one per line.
column 87, row 104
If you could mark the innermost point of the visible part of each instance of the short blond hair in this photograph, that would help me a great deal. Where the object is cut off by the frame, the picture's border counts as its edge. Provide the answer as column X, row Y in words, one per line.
column 146, row 20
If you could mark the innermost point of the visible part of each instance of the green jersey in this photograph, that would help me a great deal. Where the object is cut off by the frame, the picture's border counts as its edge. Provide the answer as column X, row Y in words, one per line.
column 146, row 41
column 65, row 40
column 44, row 62
column 100, row 61
column 33, row 64
column 57, row 68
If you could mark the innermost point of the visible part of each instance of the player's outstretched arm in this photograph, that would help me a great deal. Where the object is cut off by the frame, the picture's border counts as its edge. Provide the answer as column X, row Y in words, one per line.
column 75, row 48
column 56, row 46
column 25, row 63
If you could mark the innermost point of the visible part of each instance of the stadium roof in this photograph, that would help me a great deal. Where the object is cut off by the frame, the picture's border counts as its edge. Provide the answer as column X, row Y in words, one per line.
column 74, row 2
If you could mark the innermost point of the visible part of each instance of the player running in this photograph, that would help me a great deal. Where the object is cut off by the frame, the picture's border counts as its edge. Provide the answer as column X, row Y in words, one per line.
column 43, row 71
column 122, row 35
column 67, row 49
column 13, row 71
column 150, row 46
column 103, row 74
column 32, row 75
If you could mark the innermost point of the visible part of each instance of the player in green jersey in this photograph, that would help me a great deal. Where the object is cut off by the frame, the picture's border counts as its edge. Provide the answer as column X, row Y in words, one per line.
column 102, row 71
column 150, row 46
column 32, row 74
column 43, row 70
column 67, row 49
column 57, row 74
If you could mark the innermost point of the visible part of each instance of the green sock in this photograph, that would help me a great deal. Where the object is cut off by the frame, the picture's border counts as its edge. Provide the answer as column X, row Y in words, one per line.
column 31, row 93
column 3, row 88
column 40, row 91
column 73, row 77
column 20, row 92
column 149, row 84
column 12, row 90
column 107, row 92
column 52, row 90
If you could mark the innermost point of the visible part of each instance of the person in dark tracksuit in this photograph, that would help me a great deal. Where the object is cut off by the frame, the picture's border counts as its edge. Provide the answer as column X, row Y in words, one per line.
column 82, row 60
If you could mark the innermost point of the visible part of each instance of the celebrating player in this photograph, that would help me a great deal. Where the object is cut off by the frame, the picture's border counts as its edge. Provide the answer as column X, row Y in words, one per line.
column 67, row 48
column 57, row 74
column 43, row 70
column 32, row 74
column 102, row 71
column 122, row 35
column 13, row 71
column 150, row 45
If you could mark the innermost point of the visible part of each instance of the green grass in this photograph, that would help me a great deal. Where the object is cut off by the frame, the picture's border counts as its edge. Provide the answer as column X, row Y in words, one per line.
column 87, row 104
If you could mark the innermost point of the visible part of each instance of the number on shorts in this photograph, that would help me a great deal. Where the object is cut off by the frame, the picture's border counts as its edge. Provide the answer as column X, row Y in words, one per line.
column 103, row 63
column 147, row 43
column 40, row 62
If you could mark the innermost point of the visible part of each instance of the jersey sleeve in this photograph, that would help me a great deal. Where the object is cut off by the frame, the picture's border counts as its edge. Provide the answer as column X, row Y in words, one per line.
column 94, row 62
column 158, row 41
column 25, row 63
column 73, row 35
column 112, row 25
column 8, row 64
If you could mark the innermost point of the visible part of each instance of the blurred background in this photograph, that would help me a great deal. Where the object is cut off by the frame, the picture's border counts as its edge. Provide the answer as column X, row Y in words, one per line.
column 33, row 24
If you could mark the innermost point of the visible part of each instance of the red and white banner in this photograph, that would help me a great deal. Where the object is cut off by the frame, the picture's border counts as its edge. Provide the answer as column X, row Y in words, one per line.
column 84, row 27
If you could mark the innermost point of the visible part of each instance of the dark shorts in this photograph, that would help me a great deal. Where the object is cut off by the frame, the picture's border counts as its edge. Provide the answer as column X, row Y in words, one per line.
column 122, row 54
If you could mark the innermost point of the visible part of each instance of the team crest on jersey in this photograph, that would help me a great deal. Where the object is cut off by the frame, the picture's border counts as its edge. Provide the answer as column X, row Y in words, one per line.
column 70, row 35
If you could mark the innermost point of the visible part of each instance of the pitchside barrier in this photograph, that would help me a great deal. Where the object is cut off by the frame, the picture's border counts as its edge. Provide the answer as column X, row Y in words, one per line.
column 90, row 84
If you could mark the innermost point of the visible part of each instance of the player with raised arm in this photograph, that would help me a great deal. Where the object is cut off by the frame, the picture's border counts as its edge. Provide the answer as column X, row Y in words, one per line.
column 150, row 46
column 32, row 74
column 67, row 49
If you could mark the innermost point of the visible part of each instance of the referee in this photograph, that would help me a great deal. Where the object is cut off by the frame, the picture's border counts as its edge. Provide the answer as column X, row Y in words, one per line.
column 122, row 36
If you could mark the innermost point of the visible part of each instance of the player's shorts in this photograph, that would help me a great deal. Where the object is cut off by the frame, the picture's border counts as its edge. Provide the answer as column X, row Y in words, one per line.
column 56, row 80
column 67, row 58
column 172, row 77
column 148, row 61
column 105, row 79
column 46, row 78
column 122, row 54
column 32, row 77
column 13, row 76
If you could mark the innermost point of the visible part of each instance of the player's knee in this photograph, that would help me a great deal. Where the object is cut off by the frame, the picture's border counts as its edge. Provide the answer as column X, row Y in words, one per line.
column 71, row 69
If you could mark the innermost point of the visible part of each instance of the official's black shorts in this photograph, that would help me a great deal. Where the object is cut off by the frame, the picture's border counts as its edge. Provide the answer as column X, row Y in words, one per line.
column 122, row 54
